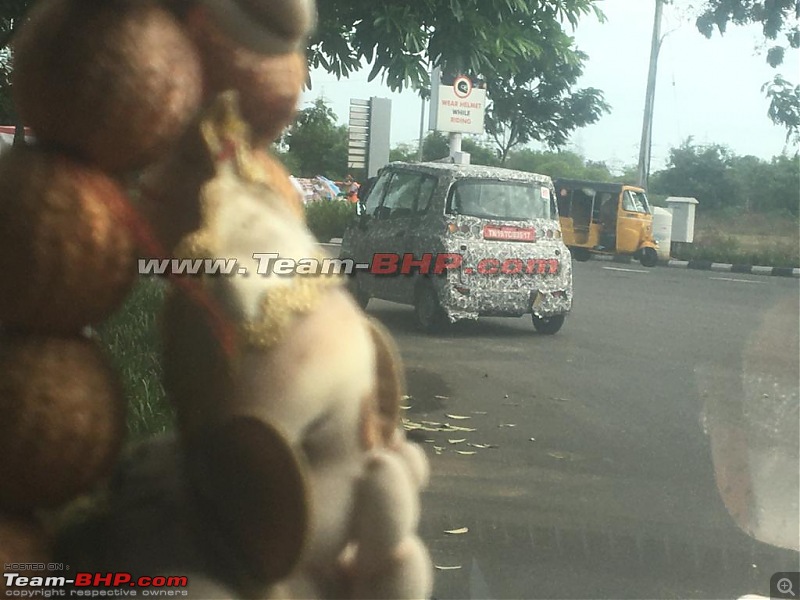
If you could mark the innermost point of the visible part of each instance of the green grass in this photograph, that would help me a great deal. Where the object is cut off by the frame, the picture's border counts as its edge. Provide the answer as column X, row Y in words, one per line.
column 131, row 337
column 328, row 220
column 744, row 238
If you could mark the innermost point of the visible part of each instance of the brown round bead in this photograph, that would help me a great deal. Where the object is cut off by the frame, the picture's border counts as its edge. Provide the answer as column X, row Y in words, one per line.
column 67, row 258
column 62, row 419
column 116, row 81
column 269, row 86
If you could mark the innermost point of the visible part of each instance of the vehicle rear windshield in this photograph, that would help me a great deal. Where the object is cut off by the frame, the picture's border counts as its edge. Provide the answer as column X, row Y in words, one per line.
column 512, row 201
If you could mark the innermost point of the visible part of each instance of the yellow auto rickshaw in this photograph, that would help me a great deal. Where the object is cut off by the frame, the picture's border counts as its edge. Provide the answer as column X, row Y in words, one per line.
column 606, row 218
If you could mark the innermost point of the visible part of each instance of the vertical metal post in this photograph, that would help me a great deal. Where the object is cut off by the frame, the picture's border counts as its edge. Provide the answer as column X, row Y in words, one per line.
column 421, row 130
column 455, row 144
column 649, row 102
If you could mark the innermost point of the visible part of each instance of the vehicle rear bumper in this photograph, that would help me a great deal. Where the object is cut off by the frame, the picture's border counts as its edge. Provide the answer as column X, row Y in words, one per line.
column 462, row 302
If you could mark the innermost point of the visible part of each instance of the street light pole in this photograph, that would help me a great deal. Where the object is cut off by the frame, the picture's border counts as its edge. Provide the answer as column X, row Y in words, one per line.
column 421, row 130
column 647, row 126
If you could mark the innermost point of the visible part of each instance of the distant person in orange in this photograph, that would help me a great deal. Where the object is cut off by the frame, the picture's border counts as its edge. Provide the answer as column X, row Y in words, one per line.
column 352, row 189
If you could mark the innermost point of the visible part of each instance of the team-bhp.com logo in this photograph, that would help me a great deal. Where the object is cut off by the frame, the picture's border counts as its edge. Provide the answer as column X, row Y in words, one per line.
column 94, row 585
column 383, row 263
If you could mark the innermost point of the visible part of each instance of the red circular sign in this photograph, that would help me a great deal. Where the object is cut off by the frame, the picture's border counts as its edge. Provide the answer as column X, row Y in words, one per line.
column 462, row 86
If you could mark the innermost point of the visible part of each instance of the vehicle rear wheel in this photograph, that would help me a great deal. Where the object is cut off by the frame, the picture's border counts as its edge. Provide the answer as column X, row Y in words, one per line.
column 355, row 289
column 429, row 313
column 548, row 325
column 580, row 254
column 648, row 257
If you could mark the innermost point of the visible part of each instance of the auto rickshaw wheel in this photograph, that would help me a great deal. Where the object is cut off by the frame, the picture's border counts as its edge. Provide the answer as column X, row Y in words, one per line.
column 548, row 325
column 648, row 257
column 429, row 313
column 580, row 254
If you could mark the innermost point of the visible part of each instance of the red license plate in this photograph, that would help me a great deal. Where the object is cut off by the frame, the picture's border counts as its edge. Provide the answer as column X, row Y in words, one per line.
column 510, row 234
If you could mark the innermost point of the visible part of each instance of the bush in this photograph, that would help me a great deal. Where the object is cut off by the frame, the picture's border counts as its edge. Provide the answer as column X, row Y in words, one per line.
column 329, row 219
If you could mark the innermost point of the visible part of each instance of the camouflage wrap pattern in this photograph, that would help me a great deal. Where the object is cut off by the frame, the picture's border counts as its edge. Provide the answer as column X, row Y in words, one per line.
column 544, row 287
column 507, row 294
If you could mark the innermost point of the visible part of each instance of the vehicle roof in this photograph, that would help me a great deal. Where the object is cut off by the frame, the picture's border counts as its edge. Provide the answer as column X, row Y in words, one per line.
column 469, row 171
column 600, row 186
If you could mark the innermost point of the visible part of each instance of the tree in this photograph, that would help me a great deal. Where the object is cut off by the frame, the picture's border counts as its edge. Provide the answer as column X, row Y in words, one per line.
column 721, row 180
column 436, row 146
column 779, row 191
column 702, row 172
column 518, row 46
column 403, row 153
column 779, row 23
column 537, row 102
column 314, row 144
column 403, row 41
column 558, row 164
column 479, row 153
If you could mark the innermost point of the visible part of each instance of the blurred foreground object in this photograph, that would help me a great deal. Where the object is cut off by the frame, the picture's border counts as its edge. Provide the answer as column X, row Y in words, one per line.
column 288, row 475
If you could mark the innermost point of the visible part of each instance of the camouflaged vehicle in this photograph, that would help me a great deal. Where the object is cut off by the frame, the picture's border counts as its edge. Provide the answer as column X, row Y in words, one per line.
column 461, row 242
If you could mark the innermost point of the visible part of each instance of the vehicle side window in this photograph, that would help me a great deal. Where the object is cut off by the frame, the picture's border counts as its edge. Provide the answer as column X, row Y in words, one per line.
column 426, row 190
column 553, row 204
column 631, row 202
column 376, row 193
column 564, row 202
column 627, row 202
column 401, row 196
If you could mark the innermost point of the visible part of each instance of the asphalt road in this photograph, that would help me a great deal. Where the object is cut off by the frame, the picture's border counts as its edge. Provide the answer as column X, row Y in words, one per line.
column 583, row 469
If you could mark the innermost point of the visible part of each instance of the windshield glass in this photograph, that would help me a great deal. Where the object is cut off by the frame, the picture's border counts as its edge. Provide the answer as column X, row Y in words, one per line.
column 506, row 200
column 635, row 202
column 503, row 371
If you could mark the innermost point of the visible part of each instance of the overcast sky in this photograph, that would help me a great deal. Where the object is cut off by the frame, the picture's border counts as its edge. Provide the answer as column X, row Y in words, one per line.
column 708, row 89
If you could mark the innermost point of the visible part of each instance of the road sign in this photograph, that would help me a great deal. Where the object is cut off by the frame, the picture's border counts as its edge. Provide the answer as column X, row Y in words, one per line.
column 368, row 134
column 458, row 108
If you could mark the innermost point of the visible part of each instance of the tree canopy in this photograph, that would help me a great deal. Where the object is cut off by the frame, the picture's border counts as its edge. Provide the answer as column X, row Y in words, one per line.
column 538, row 102
column 719, row 179
column 314, row 144
column 779, row 24
column 519, row 47
column 404, row 41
